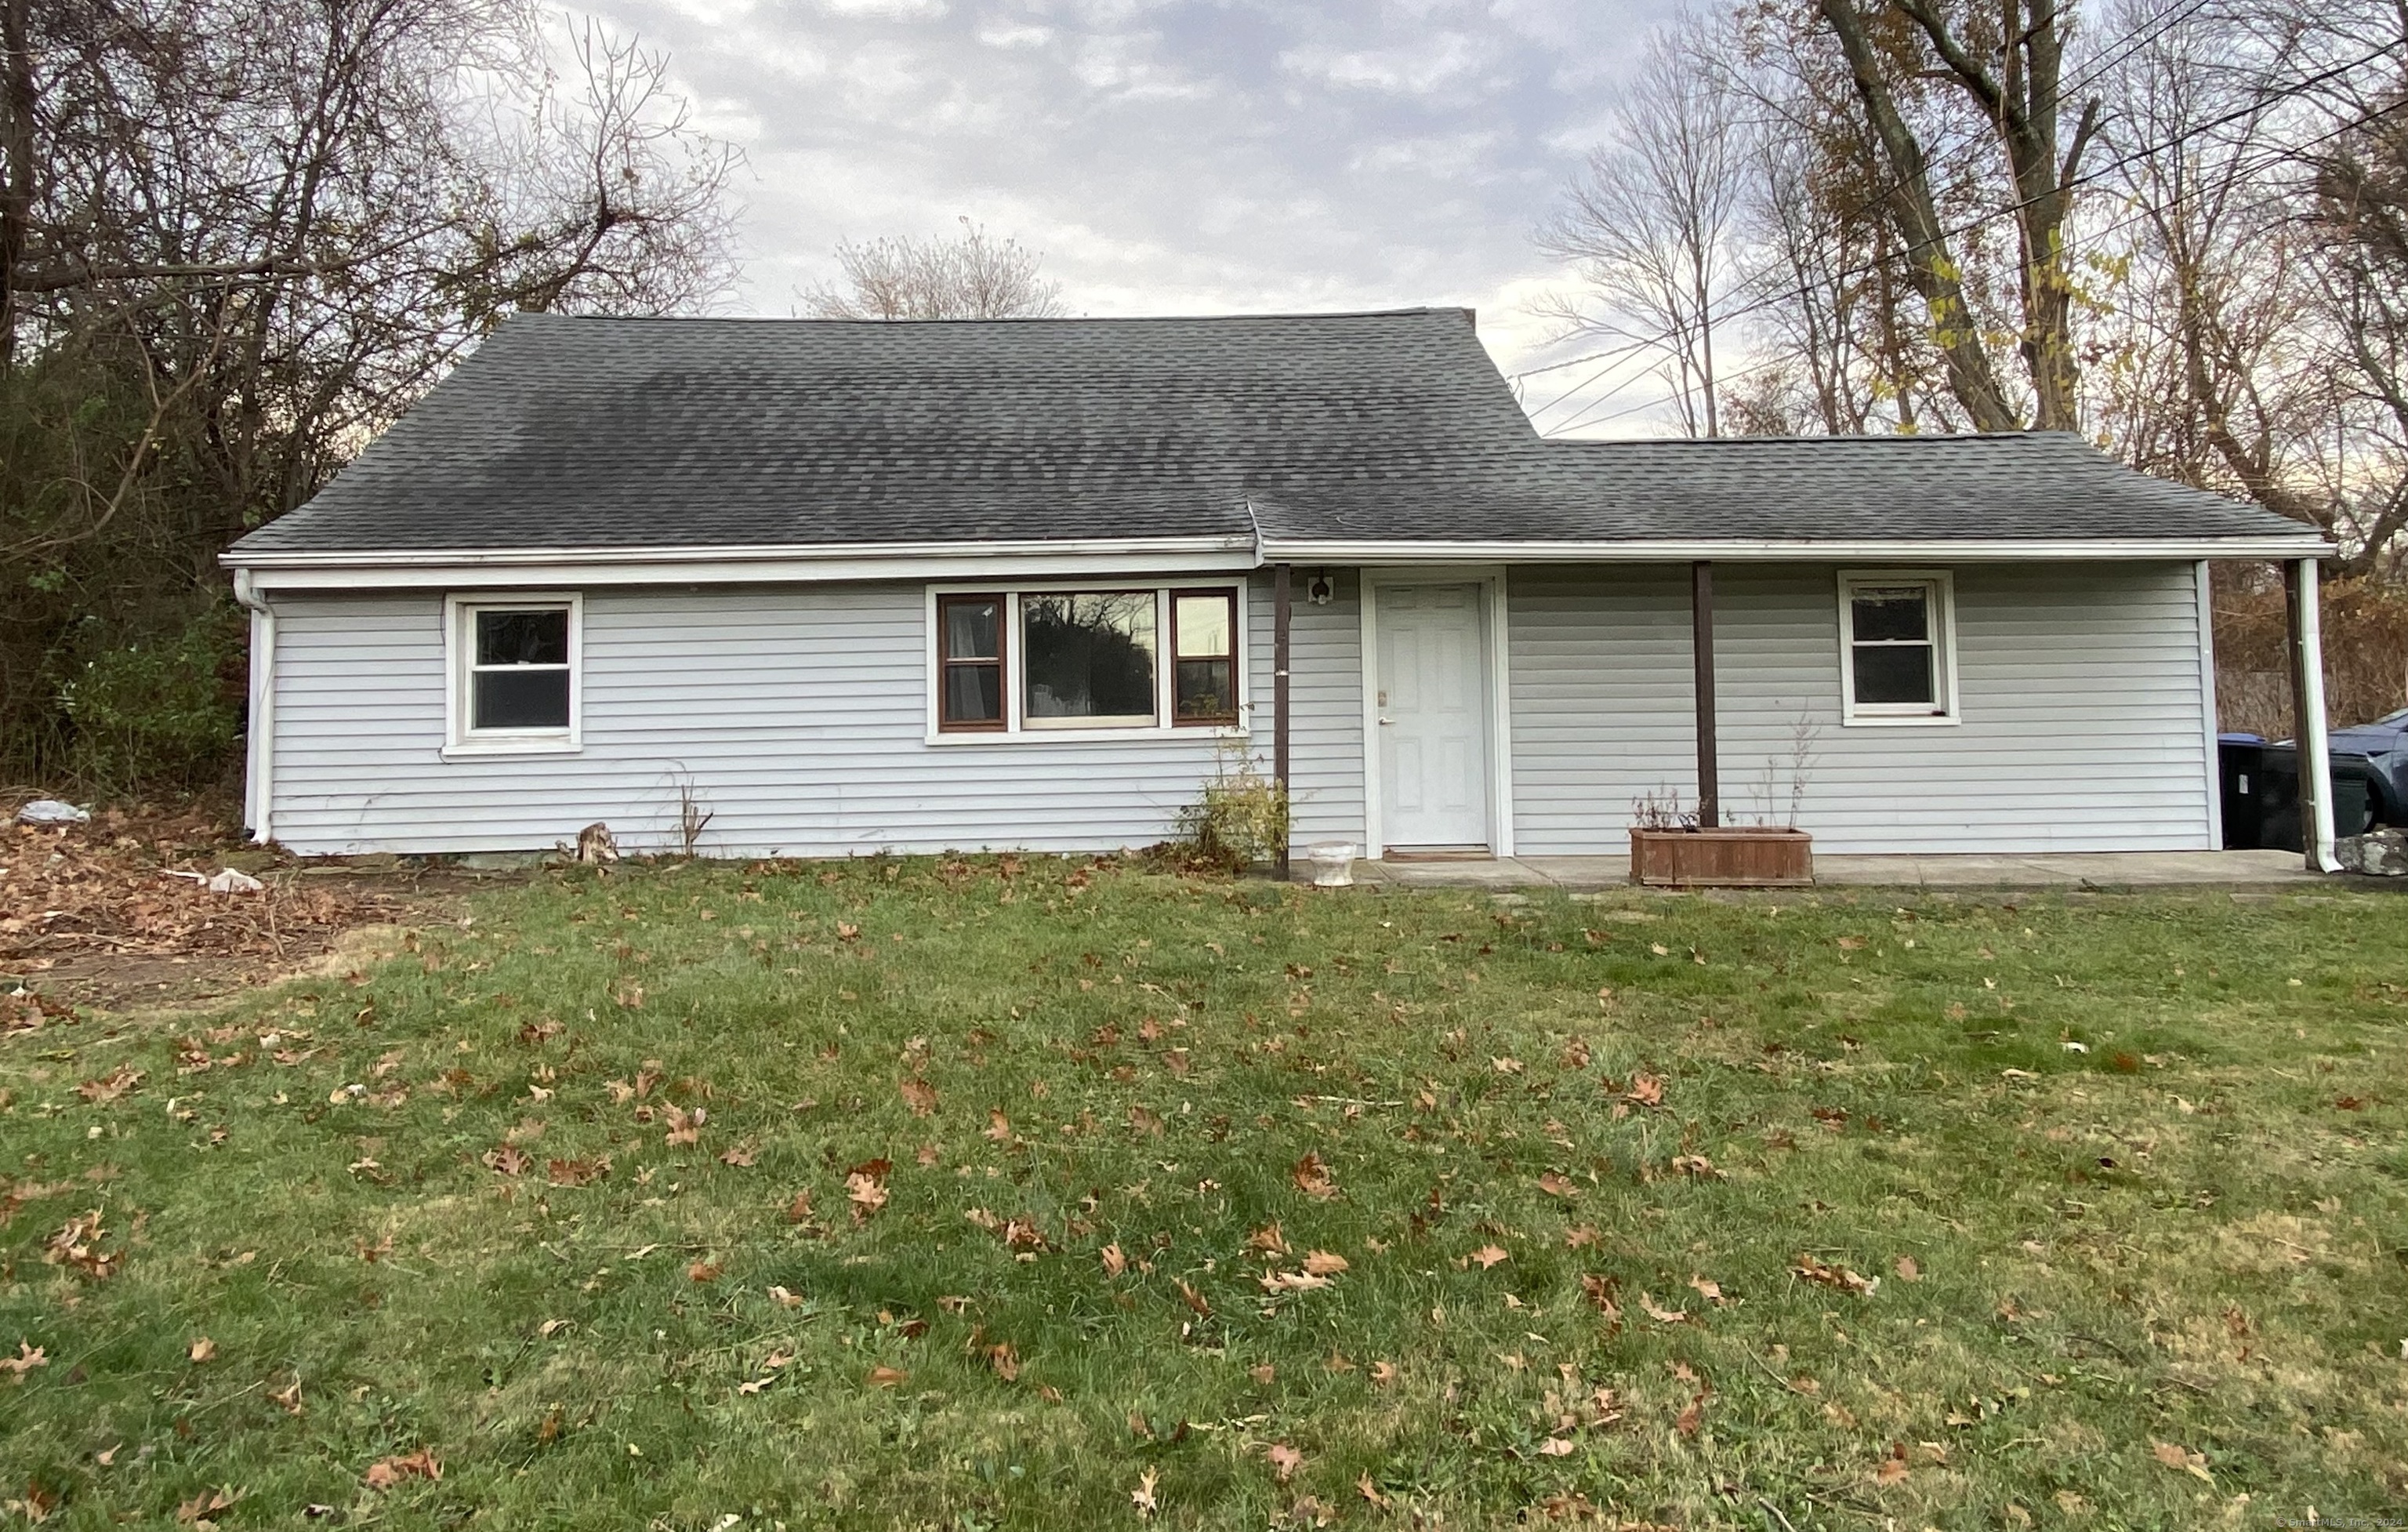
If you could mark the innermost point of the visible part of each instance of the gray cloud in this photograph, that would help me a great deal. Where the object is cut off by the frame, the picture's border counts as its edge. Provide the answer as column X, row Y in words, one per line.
column 1169, row 156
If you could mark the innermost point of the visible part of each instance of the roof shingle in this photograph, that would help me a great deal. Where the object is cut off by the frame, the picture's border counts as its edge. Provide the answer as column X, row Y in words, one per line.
column 576, row 433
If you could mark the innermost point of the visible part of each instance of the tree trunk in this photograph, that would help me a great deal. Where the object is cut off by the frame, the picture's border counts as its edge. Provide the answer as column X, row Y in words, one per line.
column 1929, row 267
column 17, row 108
column 2020, row 104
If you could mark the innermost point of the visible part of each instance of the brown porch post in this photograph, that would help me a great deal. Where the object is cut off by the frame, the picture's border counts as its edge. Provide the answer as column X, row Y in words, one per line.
column 1281, row 605
column 1701, row 648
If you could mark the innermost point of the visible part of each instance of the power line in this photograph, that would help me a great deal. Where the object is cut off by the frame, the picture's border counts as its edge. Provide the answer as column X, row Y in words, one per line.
column 2257, row 107
column 2135, row 38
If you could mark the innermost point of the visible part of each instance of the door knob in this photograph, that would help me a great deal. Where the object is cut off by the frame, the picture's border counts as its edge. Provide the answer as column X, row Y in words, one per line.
column 1388, row 721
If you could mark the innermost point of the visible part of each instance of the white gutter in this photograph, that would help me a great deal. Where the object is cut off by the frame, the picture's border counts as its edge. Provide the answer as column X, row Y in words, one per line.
column 2315, row 749
column 258, row 763
column 1742, row 549
column 456, row 558
column 586, row 568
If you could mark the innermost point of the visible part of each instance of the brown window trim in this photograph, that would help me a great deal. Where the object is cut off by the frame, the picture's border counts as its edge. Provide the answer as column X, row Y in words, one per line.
column 1003, row 604
column 1237, row 664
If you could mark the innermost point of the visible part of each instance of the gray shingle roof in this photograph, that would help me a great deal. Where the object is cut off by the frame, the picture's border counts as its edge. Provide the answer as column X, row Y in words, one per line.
column 619, row 433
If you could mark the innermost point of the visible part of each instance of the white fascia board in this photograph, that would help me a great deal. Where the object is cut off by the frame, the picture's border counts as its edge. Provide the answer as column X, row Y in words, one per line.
column 1933, row 550
column 469, row 570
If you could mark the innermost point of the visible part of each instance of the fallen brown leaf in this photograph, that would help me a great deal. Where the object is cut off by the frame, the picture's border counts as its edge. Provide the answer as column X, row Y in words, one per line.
column 111, row 1085
column 2181, row 1459
column 509, row 1160
column 1313, row 1176
column 1688, row 1422
column 1285, row 1460
column 386, row 1472
column 577, row 1172
column 1839, row 1277
column 192, row 1512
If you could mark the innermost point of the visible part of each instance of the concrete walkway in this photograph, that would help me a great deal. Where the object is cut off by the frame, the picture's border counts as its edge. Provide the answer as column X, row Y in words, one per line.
column 2055, row 869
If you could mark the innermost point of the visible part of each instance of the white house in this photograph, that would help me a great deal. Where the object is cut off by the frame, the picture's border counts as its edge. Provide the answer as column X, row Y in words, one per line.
column 914, row 587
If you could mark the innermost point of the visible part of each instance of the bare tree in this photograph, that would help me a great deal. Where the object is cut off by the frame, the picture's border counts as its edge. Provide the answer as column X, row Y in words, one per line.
column 971, row 275
column 1651, row 224
column 238, row 239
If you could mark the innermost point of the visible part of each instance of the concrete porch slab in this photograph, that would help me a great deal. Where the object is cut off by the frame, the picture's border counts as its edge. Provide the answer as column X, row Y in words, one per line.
column 2052, row 869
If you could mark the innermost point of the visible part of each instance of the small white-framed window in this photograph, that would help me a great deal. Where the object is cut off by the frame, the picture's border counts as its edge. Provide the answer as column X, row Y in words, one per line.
column 516, row 684
column 1013, row 661
column 1898, row 647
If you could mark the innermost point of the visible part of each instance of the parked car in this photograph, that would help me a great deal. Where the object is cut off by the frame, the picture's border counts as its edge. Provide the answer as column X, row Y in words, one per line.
column 2384, row 744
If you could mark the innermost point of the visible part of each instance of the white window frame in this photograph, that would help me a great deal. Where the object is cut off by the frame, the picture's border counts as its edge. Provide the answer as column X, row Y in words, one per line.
column 1945, row 712
column 1018, row 730
column 460, row 655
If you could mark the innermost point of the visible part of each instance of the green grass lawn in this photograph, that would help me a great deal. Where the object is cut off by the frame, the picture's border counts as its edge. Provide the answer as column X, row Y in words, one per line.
column 965, row 1196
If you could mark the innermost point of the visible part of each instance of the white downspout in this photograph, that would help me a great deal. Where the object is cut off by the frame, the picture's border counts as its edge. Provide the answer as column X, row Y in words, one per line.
column 2206, row 597
column 2316, row 749
column 259, row 765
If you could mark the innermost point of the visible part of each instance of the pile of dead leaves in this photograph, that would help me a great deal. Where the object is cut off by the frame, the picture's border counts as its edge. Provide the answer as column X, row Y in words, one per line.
column 110, row 886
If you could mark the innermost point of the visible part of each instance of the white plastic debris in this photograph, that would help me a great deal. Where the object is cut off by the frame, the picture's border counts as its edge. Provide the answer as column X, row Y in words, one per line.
column 225, row 880
column 51, row 811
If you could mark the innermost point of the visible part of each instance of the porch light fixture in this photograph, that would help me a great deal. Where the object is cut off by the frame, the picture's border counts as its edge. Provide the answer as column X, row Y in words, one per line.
column 1320, row 588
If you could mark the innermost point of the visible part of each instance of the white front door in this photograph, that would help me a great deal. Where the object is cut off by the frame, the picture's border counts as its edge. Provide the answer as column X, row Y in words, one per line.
column 1432, row 696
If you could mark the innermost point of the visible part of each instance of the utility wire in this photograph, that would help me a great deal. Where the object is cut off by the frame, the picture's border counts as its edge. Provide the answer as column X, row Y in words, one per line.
column 2134, row 40
column 2256, row 107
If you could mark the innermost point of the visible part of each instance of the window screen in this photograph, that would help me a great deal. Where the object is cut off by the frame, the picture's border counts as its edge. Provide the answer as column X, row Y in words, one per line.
column 517, row 680
column 1894, row 650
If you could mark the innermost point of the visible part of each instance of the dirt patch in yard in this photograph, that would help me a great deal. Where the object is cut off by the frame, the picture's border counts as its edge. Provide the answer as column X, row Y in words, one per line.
column 117, row 914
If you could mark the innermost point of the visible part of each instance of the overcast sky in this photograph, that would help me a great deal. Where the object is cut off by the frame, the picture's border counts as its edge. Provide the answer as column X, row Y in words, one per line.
column 1170, row 157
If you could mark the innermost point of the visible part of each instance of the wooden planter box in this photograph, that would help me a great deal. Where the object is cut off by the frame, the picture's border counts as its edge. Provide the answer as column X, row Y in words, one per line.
column 1731, row 858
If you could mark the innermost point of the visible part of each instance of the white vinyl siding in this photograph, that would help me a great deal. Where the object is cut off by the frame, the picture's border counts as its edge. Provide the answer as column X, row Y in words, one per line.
column 2079, row 689
column 798, row 713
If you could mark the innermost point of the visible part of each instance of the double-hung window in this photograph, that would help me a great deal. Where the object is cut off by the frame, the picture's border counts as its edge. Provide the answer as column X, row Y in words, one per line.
column 514, row 674
column 1896, row 638
column 1056, row 659
column 1204, row 650
column 969, row 662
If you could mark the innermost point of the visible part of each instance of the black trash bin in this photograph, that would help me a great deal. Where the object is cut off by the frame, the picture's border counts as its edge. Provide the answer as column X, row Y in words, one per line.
column 2354, row 797
column 2241, row 771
